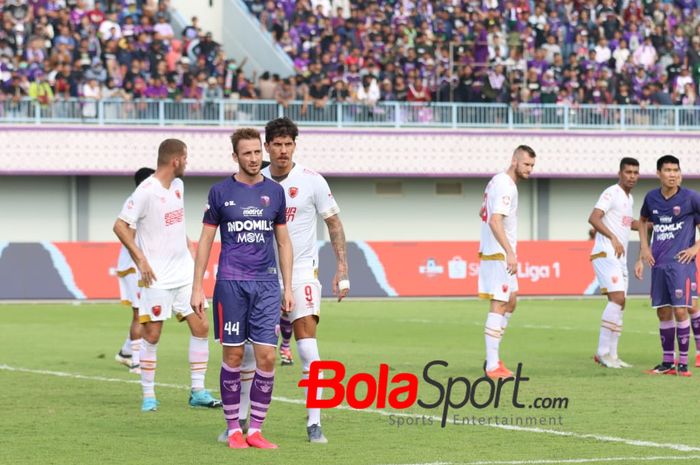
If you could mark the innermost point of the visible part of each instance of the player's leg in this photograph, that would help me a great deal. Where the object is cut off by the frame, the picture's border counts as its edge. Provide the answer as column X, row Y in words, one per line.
column 306, row 315
column 231, row 307
column 128, row 355
column 615, row 311
column 609, row 276
column 694, row 314
column 262, row 324
column 661, row 301
column 496, row 284
column 247, row 374
column 683, row 337
column 247, row 370
column 155, row 307
column 149, row 361
column 680, row 278
column 135, row 341
column 286, row 334
column 198, row 352
column 667, row 334
column 230, row 386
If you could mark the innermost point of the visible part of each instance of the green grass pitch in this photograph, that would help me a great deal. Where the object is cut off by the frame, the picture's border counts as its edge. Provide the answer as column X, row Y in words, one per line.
column 91, row 414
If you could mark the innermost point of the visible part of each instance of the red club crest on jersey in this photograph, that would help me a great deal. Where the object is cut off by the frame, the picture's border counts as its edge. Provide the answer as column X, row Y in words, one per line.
column 265, row 200
column 293, row 191
column 505, row 288
column 178, row 195
column 156, row 310
column 676, row 210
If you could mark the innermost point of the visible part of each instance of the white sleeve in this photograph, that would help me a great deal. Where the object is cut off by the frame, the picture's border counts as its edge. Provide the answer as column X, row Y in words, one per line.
column 500, row 199
column 323, row 198
column 135, row 207
column 605, row 200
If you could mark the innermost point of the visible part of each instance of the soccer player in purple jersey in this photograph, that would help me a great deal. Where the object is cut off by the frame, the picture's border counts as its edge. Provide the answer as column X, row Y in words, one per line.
column 674, row 213
column 250, row 211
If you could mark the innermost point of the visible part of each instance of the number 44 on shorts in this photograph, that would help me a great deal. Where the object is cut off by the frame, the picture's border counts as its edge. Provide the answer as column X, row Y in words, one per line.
column 230, row 327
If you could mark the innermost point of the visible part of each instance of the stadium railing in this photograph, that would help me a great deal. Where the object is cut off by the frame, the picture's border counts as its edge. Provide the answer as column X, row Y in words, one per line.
column 226, row 112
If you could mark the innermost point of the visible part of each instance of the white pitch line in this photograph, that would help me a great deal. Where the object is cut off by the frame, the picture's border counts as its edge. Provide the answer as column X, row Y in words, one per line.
column 566, row 461
column 597, row 437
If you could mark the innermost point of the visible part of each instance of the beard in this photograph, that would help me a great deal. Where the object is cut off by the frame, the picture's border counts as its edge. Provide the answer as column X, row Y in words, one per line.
column 250, row 172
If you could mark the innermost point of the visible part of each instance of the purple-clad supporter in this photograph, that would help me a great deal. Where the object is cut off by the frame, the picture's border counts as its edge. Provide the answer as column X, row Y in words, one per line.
column 639, row 82
column 633, row 37
column 156, row 89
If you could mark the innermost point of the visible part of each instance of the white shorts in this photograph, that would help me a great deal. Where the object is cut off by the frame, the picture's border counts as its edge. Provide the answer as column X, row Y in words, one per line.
column 307, row 300
column 129, row 291
column 495, row 283
column 160, row 304
column 611, row 273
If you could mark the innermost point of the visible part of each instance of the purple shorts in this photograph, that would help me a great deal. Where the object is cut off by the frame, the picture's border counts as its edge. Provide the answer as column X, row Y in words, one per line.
column 247, row 311
column 673, row 284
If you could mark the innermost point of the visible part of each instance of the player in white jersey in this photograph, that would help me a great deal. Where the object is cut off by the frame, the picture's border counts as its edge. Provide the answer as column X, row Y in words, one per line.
column 161, row 252
column 497, row 250
column 130, row 293
column 308, row 196
column 612, row 218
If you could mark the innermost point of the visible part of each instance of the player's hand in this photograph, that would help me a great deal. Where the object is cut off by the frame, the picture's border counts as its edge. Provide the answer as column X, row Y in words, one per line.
column 639, row 269
column 619, row 248
column 287, row 301
column 646, row 257
column 341, row 284
column 197, row 302
column 687, row 255
column 147, row 275
column 511, row 263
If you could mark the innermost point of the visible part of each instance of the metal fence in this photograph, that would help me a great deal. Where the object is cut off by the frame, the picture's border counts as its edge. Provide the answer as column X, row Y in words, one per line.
column 227, row 112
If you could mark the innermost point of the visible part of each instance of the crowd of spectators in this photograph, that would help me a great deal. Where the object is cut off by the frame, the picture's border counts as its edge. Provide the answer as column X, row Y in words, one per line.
column 55, row 50
column 643, row 52
column 512, row 51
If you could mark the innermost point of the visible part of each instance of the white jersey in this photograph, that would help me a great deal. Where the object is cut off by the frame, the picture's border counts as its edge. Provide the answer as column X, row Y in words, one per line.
column 159, row 216
column 124, row 262
column 308, row 195
column 618, row 209
column 500, row 196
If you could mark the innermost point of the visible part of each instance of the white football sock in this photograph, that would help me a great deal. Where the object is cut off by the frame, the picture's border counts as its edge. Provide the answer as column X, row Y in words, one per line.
column 608, row 325
column 148, row 368
column 308, row 353
column 493, row 334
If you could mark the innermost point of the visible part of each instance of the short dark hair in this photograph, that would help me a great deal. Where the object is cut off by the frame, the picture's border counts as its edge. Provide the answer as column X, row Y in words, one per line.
column 169, row 149
column 628, row 161
column 243, row 134
column 281, row 127
column 667, row 160
column 142, row 174
column 525, row 148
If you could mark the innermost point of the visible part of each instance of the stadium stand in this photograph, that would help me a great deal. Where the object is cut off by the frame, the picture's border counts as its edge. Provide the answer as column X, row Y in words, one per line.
column 624, row 52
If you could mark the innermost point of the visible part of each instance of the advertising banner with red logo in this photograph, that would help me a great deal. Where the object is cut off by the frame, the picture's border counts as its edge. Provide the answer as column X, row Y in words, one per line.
column 87, row 270
column 452, row 268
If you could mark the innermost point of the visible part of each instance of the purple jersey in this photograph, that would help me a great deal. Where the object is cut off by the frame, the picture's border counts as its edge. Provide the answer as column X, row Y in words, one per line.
column 247, row 216
column 674, row 221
